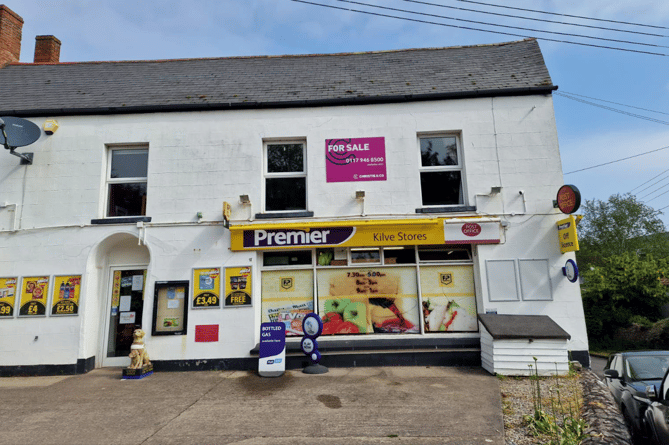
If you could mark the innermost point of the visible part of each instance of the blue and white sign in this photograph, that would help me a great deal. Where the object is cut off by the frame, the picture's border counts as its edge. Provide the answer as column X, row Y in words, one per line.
column 272, row 357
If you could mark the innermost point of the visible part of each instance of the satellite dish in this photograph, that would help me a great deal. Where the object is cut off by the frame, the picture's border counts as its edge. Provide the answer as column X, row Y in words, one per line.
column 18, row 132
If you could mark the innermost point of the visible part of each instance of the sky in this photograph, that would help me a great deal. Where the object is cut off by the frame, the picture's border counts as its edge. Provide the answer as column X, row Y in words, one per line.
column 589, row 135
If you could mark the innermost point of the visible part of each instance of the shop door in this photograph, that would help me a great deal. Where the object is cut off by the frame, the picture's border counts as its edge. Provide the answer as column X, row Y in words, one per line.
column 124, row 314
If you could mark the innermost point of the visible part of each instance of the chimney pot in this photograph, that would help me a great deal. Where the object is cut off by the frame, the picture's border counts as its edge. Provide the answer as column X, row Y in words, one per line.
column 11, row 28
column 47, row 49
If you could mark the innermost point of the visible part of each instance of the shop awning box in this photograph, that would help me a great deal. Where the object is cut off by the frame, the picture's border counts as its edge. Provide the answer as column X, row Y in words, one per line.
column 368, row 233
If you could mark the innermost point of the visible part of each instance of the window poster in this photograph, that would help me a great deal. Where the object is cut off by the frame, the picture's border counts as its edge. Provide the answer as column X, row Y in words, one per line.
column 238, row 286
column 287, row 297
column 7, row 296
column 368, row 300
column 449, row 300
column 34, row 292
column 66, row 291
column 207, row 287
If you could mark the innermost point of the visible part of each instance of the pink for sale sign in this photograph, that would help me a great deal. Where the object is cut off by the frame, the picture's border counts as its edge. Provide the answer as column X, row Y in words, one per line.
column 355, row 159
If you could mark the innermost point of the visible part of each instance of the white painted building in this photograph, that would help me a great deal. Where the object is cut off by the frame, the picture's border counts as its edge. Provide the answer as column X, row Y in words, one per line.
column 440, row 208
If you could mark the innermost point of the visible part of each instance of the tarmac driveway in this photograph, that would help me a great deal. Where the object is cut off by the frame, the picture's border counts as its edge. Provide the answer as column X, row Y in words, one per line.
column 391, row 405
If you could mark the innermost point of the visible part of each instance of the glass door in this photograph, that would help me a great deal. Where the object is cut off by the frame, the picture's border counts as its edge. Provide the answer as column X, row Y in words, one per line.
column 124, row 314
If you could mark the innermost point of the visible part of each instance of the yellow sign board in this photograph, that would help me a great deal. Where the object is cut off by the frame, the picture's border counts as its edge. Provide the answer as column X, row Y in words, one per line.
column 66, row 290
column 34, row 292
column 7, row 296
column 237, row 286
column 567, row 235
column 359, row 233
column 206, row 287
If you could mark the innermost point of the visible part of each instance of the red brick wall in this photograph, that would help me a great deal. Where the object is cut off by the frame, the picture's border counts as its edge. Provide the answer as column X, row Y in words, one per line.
column 11, row 26
column 47, row 49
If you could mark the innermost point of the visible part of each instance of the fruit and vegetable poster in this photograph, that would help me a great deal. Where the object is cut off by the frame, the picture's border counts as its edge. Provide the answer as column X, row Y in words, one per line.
column 34, row 292
column 238, row 286
column 287, row 297
column 207, row 287
column 7, row 296
column 449, row 300
column 66, row 291
column 368, row 300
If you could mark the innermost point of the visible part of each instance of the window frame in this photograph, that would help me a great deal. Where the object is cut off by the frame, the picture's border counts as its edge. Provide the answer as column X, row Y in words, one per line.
column 460, row 167
column 285, row 175
column 109, row 181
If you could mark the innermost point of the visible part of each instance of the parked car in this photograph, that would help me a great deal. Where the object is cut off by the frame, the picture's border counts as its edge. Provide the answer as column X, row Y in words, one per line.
column 627, row 376
column 656, row 415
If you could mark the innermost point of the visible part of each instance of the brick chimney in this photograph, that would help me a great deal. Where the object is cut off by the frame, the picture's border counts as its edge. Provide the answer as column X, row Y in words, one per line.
column 11, row 27
column 47, row 49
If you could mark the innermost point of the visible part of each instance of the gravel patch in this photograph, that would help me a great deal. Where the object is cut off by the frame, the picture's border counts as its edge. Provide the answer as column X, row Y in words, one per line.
column 583, row 391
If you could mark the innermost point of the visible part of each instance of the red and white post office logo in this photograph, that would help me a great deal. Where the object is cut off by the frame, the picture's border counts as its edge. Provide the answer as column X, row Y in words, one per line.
column 471, row 229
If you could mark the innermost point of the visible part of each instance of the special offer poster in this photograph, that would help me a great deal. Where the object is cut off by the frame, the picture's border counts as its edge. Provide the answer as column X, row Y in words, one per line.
column 66, row 290
column 34, row 292
column 355, row 159
column 7, row 296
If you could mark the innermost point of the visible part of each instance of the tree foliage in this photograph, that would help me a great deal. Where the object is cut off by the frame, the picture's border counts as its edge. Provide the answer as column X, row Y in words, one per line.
column 621, row 287
column 620, row 225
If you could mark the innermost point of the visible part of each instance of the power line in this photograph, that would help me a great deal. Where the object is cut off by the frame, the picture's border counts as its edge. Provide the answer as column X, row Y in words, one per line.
column 667, row 170
column 656, row 182
column 534, row 18
column 658, row 196
column 617, row 160
column 563, row 15
column 615, row 103
column 657, row 189
column 583, row 36
column 591, row 45
column 627, row 113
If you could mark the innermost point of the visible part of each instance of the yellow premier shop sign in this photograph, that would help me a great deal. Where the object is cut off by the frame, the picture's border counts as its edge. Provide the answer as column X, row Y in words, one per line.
column 341, row 234
column 567, row 235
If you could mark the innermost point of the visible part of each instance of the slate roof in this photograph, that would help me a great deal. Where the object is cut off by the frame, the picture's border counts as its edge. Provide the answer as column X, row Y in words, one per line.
column 514, row 68
column 522, row 327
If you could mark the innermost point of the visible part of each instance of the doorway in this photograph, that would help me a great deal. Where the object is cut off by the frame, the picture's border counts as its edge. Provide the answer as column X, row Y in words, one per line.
column 124, row 309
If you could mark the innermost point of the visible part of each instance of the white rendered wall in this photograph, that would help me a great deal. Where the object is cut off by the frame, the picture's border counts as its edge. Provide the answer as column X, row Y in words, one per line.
column 198, row 160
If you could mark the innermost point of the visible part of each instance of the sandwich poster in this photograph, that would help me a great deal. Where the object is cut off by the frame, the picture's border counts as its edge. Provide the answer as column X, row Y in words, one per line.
column 449, row 301
column 66, row 291
column 207, row 287
column 34, row 292
column 355, row 159
column 7, row 296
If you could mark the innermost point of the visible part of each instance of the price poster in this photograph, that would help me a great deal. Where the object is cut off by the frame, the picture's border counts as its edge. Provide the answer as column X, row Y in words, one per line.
column 66, row 291
column 237, row 286
column 7, row 296
column 34, row 292
column 207, row 287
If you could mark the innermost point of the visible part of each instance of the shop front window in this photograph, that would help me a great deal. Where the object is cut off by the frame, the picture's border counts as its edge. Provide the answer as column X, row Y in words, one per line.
column 372, row 290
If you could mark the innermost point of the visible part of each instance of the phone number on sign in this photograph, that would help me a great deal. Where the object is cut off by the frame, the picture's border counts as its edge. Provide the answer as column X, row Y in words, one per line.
column 352, row 160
